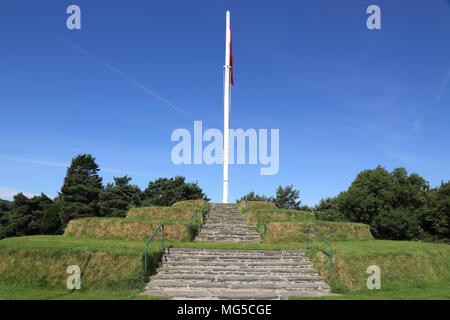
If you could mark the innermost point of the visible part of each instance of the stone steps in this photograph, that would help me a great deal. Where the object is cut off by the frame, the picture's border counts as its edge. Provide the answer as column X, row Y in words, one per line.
column 231, row 294
column 187, row 273
column 239, row 271
column 294, row 279
column 260, row 285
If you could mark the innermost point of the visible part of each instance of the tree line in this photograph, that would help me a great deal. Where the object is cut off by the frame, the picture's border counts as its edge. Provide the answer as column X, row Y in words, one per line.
column 84, row 195
column 395, row 205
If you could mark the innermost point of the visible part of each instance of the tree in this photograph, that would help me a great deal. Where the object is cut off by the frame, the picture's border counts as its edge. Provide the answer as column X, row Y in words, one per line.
column 26, row 214
column 327, row 210
column 436, row 215
column 251, row 196
column 81, row 189
column 51, row 222
column 5, row 209
column 287, row 198
column 378, row 197
column 117, row 198
column 165, row 192
column 397, row 224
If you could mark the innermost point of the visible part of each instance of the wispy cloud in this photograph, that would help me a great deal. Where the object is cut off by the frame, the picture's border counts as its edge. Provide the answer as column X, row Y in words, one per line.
column 8, row 193
column 46, row 163
column 65, row 164
column 124, row 76
column 443, row 87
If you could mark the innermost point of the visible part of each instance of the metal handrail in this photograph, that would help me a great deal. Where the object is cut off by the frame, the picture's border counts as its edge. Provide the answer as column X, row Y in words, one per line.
column 320, row 237
column 148, row 242
column 192, row 217
column 264, row 221
column 204, row 210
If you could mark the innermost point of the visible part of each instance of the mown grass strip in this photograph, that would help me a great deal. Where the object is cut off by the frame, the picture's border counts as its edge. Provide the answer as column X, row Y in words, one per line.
column 129, row 229
column 295, row 231
column 402, row 263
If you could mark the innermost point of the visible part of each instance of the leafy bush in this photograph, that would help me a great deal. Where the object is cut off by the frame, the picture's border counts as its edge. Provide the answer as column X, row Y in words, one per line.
column 378, row 197
column 396, row 224
column 287, row 198
column 327, row 210
column 165, row 192
column 436, row 215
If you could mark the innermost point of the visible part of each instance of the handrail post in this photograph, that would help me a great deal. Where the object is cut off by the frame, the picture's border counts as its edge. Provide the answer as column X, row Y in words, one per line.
column 263, row 219
column 161, row 226
column 321, row 238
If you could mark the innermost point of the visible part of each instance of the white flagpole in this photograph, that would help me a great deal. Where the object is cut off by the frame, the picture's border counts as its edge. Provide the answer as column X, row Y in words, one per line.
column 226, row 110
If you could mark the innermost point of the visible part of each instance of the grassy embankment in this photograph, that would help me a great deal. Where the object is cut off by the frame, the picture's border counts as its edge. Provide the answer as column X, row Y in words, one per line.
column 409, row 269
column 139, row 224
column 35, row 267
column 290, row 226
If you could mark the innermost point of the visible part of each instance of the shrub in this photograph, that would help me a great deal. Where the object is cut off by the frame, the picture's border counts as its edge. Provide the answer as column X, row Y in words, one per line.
column 327, row 210
column 397, row 224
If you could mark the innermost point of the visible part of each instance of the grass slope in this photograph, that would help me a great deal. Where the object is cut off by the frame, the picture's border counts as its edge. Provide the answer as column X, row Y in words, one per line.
column 130, row 228
column 295, row 231
column 34, row 267
column 409, row 270
column 164, row 213
column 40, row 262
column 274, row 214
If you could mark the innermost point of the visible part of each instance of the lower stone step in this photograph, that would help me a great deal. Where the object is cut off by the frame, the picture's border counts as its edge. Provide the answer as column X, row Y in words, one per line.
column 208, row 264
column 233, row 294
column 306, row 271
column 285, row 280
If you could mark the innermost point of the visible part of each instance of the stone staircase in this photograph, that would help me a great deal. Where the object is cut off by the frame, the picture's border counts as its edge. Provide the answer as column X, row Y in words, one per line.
column 226, row 224
column 235, row 274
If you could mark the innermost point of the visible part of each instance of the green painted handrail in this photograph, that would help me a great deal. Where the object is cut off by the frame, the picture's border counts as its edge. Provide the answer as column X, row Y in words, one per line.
column 307, row 245
column 264, row 221
column 148, row 242
column 204, row 210
column 192, row 217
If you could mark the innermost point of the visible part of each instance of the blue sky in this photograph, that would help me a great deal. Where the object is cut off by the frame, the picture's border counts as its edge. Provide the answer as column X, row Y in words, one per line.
column 344, row 98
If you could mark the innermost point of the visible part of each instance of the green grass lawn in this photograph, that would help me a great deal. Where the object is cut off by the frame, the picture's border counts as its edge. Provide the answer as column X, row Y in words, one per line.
column 34, row 267
column 409, row 269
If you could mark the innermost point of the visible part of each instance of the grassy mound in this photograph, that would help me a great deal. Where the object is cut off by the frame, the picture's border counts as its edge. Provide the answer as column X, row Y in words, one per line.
column 191, row 203
column 284, row 232
column 406, row 266
column 129, row 229
column 40, row 262
column 255, row 205
column 275, row 214
column 184, row 213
